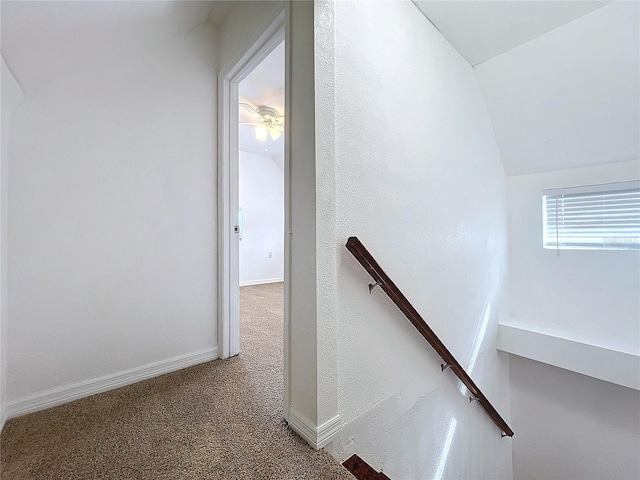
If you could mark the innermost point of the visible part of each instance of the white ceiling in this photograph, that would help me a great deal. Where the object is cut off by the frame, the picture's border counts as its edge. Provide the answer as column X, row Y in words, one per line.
column 558, row 99
column 480, row 30
column 264, row 86
column 44, row 40
column 569, row 98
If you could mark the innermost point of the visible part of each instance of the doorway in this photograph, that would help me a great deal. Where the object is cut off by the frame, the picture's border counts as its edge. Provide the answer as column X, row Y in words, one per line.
column 261, row 207
column 230, row 218
column 300, row 372
column 261, row 172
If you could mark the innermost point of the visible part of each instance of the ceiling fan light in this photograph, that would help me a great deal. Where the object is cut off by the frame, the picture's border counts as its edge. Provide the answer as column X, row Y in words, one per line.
column 275, row 134
column 261, row 133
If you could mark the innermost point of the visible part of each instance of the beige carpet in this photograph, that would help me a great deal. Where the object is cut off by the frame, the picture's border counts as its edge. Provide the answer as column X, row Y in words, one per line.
column 219, row 420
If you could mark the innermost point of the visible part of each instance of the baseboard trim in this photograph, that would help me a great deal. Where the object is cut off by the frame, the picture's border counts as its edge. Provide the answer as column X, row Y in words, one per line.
column 260, row 282
column 68, row 393
column 3, row 419
column 317, row 437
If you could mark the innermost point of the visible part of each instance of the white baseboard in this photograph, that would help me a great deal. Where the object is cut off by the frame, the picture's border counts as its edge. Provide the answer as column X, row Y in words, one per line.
column 317, row 437
column 68, row 393
column 3, row 418
column 260, row 282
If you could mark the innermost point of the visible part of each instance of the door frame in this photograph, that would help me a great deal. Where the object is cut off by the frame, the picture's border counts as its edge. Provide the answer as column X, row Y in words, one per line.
column 259, row 48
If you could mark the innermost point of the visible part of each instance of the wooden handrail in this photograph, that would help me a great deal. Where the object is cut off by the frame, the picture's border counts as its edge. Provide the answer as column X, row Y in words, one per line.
column 381, row 279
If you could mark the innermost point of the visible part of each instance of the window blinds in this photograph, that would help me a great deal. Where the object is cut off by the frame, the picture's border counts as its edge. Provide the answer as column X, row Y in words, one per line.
column 592, row 217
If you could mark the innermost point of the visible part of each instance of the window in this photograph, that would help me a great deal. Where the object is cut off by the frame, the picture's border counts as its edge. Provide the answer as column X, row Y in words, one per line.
column 597, row 217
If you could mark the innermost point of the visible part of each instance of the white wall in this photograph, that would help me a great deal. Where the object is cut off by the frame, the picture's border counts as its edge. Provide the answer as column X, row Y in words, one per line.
column 112, row 219
column 326, row 246
column 304, row 357
column 566, row 112
column 310, row 410
column 587, row 295
column 570, row 426
column 418, row 178
column 12, row 94
column 279, row 161
column 573, row 426
column 262, row 203
column 237, row 32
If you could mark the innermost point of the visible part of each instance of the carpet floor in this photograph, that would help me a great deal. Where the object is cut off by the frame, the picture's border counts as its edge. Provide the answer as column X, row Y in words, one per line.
column 218, row 420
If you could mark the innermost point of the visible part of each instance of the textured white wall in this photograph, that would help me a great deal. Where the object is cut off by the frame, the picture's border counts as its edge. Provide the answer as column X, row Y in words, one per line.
column 301, row 333
column 418, row 178
column 12, row 95
column 586, row 295
column 570, row 426
column 326, row 244
column 112, row 217
column 262, row 203
column 303, row 274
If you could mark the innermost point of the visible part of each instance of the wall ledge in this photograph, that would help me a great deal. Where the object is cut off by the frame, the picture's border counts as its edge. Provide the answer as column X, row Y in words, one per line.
column 604, row 363
column 68, row 393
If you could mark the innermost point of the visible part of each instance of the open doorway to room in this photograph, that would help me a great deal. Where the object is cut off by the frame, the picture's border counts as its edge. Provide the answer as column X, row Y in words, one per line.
column 261, row 172
column 271, row 154
column 261, row 196
column 230, row 218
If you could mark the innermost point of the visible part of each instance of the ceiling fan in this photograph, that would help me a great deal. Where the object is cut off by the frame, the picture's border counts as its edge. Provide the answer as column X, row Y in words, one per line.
column 267, row 121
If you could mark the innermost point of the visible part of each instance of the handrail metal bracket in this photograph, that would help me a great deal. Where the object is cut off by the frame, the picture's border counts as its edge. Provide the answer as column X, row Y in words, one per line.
column 444, row 366
column 374, row 285
column 473, row 399
column 502, row 435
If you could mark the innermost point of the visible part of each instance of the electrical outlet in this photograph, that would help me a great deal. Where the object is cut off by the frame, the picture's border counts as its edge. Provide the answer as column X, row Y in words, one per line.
column 269, row 254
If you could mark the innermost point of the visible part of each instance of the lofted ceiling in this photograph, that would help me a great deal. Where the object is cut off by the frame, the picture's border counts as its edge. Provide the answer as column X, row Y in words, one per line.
column 569, row 98
column 561, row 79
column 480, row 30
column 264, row 86
column 42, row 41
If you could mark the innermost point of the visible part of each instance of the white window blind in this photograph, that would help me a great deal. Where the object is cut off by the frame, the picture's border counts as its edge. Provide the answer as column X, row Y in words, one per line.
column 592, row 217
